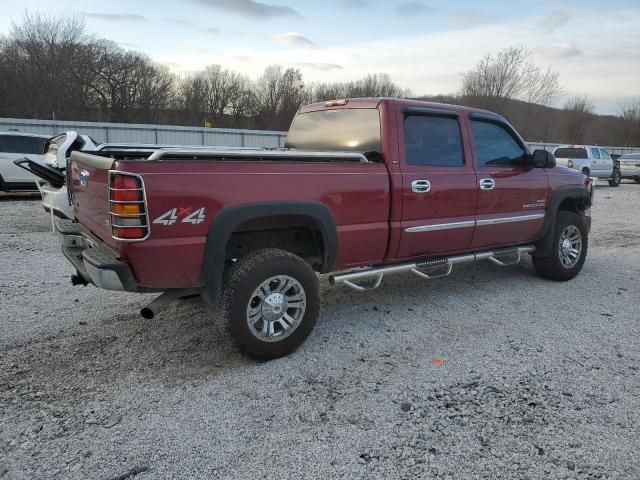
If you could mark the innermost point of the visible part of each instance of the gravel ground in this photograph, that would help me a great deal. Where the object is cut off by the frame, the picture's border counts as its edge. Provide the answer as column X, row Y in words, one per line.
column 489, row 373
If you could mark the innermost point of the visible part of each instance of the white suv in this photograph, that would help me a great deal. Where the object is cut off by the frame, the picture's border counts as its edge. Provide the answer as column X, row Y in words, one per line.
column 15, row 145
column 591, row 160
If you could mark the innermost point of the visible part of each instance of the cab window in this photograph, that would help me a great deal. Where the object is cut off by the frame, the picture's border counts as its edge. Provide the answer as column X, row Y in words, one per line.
column 433, row 141
column 496, row 145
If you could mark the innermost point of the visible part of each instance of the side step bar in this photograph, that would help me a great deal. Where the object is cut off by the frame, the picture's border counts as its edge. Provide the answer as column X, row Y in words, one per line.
column 439, row 267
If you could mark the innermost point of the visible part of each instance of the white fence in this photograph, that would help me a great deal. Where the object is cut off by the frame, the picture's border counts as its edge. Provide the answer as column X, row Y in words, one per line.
column 167, row 134
column 611, row 150
column 154, row 134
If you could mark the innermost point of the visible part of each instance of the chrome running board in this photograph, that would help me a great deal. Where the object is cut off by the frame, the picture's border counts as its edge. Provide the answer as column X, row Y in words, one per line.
column 438, row 267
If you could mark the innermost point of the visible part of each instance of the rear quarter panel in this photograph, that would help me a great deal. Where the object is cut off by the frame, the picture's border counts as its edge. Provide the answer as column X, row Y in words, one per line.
column 356, row 193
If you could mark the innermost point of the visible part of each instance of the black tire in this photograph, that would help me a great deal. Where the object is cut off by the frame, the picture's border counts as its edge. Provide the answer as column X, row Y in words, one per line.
column 244, row 277
column 636, row 179
column 551, row 267
column 616, row 178
column 586, row 171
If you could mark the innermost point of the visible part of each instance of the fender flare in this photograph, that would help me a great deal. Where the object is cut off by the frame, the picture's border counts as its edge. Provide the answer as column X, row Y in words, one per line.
column 230, row 218
column 544, row 246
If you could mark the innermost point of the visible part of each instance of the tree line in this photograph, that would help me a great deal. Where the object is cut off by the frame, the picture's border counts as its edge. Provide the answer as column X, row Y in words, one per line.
column 53, row 68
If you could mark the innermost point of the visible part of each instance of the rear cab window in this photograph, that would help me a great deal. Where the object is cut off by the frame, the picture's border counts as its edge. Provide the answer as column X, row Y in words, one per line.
column 571, row 153
column 342, row 129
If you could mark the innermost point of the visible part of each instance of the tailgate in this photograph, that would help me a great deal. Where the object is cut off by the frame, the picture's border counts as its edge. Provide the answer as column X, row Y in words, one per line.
column 89, row 191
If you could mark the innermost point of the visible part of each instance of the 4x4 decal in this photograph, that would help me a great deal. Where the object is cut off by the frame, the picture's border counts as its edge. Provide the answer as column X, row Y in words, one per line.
column 172, row 216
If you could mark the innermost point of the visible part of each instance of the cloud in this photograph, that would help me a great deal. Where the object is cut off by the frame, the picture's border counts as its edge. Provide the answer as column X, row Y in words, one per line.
column 355, row 4
column 470, row 19
column 293, row 39
column 116, row 17
column 324, row 67
column 191, row 25
column 554, row 20
column 409, row 9
column 251, row 8
column 562, row 50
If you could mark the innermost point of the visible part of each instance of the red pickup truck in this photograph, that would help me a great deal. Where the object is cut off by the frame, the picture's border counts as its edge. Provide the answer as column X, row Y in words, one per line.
column 374, row 185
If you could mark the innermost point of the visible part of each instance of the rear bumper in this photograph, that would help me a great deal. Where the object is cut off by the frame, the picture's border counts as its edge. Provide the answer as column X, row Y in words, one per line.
column 629, row 172
column 94, row 262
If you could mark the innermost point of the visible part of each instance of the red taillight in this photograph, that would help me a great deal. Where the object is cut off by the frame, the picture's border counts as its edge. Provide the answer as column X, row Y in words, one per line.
column 127, row 207
column 637, row 164
column 120, row 181
column 337, row 103
column 129, row 233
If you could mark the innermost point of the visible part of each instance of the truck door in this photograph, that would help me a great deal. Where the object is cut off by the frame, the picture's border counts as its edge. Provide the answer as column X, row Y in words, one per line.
column 597, row 169
column 512, row 197
column 607, row 163
column 438, row 183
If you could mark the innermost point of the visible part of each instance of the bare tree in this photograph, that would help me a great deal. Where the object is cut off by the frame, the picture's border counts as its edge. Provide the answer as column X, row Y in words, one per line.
column 629, row 111
column 540, row 87
column 578, row 111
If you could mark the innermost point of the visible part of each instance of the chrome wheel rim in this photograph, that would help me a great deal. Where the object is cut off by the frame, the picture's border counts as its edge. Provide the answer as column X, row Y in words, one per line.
column 276, row 308
column 570, row 246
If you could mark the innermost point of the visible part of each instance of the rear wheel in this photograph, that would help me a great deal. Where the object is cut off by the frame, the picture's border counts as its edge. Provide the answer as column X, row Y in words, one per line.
column 270, row 302
column 636, row 179
column 586, row 172
column 616, row 178
column 570, row 242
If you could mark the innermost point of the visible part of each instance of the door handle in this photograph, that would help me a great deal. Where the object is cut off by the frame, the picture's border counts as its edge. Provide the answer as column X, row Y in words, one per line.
column 487, row 184
column 420, row 186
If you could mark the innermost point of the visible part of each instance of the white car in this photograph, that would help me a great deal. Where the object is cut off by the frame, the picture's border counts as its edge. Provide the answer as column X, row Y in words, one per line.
column 630, row 166
column 591, row 160
column 13, row 146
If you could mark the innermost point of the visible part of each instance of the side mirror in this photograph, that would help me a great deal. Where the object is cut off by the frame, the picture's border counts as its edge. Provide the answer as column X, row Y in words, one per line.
column 543, row 159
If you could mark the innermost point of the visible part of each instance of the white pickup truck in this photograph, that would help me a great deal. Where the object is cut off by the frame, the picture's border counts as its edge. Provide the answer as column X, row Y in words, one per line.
column 591, row 160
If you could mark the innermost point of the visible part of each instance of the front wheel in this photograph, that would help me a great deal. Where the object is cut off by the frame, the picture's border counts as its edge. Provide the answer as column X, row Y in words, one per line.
column 616, row 178
column 570, row 242
column 270, row 302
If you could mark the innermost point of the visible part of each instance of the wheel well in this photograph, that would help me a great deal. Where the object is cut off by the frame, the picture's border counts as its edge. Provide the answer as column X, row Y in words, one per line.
column 297, row 234
column 571, row 204
column 586, row 169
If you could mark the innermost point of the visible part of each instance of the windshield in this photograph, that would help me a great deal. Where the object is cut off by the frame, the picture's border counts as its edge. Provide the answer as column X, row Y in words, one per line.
column 571, row 153
column 345, row 129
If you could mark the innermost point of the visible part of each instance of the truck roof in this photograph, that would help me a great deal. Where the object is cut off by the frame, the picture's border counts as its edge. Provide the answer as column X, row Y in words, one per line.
column 374, row 102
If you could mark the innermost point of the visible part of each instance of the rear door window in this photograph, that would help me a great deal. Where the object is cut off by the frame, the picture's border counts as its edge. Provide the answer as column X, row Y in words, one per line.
column 595, row 153
column 433, row 141
column 21, row 144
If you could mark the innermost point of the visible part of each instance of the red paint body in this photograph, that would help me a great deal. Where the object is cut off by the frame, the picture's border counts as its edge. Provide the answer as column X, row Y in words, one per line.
column 372, row 203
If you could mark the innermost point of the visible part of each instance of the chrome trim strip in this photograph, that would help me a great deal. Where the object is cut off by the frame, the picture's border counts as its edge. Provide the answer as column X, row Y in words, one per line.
column 441, row 226
column 517, row 218
column 473, row 223
column 255, row 152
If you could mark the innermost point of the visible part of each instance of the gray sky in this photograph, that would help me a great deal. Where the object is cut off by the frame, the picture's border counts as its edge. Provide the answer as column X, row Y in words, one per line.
column 595, row 45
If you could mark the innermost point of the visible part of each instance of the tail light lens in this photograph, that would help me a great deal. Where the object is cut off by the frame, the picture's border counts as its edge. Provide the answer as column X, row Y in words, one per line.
column 127, row 207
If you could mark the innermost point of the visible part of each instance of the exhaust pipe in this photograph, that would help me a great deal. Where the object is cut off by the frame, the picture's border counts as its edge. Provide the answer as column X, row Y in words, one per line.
column 162, row 301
